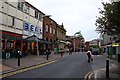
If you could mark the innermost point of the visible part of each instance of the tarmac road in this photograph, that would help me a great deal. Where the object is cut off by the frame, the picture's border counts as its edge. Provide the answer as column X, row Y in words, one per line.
column 73, row 66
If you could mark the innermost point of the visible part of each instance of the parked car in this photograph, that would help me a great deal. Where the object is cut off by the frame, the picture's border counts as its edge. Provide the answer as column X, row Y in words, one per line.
column 95, row 51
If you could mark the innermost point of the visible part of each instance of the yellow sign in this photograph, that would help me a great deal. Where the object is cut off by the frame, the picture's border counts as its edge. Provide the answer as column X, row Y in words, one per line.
column 116, row 44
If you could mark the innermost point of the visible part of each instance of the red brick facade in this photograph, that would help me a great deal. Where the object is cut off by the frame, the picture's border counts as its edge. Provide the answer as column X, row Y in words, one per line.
column 49, row 32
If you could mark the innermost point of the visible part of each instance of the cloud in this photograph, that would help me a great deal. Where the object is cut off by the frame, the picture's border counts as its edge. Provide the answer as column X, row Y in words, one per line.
column 74, row 14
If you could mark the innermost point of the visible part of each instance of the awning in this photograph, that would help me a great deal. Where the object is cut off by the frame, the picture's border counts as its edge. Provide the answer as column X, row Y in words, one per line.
column 34, row 38
column 60, row 41
column 12, row 37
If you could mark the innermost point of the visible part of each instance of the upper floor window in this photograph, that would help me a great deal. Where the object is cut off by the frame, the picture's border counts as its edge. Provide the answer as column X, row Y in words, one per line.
column 13, row 21
column 40, row 17
column 53, row 31
column 20, row 6
column 36, row 14
column 46, row 28
column 50, row 29
column 26, row 8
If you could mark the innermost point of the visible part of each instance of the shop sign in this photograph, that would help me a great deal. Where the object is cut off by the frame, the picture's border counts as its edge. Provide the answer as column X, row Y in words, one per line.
column 7, row 55
column 32, row 28
column 115, row 44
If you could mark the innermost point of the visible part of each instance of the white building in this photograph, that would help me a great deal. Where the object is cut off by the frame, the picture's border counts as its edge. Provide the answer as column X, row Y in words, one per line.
column 19, row 20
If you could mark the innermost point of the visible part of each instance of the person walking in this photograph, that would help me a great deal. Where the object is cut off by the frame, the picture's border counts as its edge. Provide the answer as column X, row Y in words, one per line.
column 70, row 51
column 61, row 52
column 48, row 53
column 89, row 55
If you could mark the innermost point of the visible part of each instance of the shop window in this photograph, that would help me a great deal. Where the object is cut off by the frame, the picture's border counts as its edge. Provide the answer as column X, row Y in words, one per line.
column 2, row 44
column 10, row 44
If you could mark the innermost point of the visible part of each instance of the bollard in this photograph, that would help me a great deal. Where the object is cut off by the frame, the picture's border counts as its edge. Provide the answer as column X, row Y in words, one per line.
column 119, row 58
column 19, row 55
column 18, row 61
column 107, row 69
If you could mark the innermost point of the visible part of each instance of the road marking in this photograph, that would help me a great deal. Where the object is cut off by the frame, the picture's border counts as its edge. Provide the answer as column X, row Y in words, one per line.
column 26, row 69
column 89, row 74
column 89, row 77
column 86, row 76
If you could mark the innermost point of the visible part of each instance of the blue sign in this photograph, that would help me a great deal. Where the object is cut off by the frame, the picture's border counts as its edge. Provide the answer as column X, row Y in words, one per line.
column 36, row 29
column 29, row 27
column 26, row 26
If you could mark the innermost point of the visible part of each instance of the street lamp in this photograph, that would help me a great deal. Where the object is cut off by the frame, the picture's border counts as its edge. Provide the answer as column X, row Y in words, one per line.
column 36, row 25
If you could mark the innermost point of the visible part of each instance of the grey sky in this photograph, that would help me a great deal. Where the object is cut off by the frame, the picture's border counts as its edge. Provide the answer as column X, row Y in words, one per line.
column 74, row 14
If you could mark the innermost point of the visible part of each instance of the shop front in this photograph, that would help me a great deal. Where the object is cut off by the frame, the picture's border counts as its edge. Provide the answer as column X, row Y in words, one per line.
column 10, row 41
column 34, row 45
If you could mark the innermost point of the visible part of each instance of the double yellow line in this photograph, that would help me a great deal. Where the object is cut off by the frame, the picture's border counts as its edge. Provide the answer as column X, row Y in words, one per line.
column 26, row 69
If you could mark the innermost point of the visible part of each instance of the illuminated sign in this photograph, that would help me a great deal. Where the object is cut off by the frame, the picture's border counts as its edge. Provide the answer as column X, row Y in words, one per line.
column 116, row 44
column 32, row 28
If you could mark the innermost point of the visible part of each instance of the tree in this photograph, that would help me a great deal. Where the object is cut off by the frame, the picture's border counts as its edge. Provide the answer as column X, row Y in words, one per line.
column 109, row 19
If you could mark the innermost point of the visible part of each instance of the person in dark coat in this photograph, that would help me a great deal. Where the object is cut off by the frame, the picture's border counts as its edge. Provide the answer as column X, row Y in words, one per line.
column 61, row 52
column 48, row 53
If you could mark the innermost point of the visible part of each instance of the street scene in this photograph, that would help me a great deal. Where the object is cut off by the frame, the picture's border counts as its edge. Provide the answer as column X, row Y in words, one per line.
column 64, row 39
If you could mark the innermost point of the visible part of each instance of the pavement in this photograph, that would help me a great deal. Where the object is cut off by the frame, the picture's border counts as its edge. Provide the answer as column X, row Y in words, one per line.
column 10, row 65
column 114, row 71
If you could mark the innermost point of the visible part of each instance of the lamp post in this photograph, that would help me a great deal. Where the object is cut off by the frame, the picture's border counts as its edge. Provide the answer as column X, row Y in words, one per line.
column 37, row 39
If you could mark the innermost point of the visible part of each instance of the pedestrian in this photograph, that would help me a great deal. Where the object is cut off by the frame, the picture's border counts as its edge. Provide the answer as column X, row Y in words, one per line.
column 61, row 52
column 48, row 53
column 89, row 55
column 70, row 51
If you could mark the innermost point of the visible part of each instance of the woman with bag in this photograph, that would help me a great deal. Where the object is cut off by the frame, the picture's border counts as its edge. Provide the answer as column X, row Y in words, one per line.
column 89, row 55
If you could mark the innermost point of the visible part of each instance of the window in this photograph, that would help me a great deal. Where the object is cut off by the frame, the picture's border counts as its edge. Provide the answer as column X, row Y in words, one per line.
column 46, row 28
column 50, row 29
column 53, row 31
column 20, row 5
column 26, row 8
column 13, row 21
column 40, row 17
column 36, row 14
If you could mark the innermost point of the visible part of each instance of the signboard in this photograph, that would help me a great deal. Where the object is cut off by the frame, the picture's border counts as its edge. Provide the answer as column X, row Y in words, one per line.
column 30, row 29
column 115, row 44
column 7, row 55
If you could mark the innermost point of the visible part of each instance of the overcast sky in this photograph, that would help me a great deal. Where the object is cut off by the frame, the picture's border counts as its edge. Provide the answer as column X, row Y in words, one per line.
column 76, row 15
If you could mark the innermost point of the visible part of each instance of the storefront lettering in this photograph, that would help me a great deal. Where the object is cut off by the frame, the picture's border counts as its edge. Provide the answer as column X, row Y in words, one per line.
column 29, row 27
column 26, row 26
column 36, row 29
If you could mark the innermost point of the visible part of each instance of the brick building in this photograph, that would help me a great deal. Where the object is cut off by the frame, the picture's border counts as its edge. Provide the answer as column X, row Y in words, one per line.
column 61, row 36
column 49, row 32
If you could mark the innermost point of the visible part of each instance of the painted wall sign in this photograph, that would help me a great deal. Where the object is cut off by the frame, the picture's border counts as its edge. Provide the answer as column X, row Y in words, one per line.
column 32, row 28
